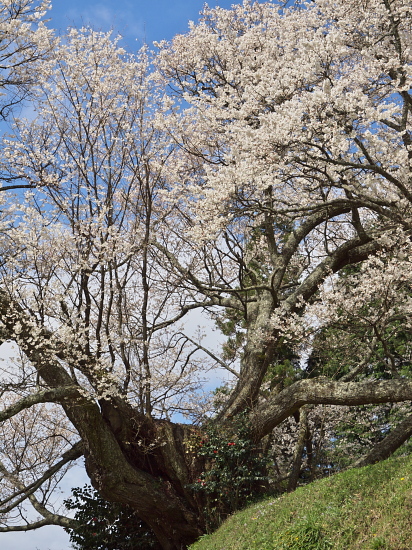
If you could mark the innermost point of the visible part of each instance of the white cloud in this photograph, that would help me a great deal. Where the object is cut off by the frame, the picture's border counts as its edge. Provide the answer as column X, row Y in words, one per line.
column 102, row 17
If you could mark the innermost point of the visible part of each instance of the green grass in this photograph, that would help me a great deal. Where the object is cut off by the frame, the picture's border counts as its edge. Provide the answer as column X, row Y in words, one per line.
column 364, row 509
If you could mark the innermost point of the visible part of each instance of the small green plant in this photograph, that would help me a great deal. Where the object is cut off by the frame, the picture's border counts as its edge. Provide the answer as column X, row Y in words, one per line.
column 379, row 544
column 304, row 535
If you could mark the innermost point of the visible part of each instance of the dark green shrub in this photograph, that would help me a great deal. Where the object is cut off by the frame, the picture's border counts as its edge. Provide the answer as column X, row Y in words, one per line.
column 235, row 471
column 106, row 525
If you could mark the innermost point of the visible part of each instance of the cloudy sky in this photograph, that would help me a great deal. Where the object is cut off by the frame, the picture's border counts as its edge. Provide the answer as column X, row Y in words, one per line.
column 139, row 22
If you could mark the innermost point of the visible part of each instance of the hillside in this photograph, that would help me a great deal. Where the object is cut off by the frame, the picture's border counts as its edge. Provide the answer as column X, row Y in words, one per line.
column 364, row 509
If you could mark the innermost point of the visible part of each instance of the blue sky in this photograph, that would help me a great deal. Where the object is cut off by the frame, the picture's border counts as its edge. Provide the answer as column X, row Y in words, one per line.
column 139, row 22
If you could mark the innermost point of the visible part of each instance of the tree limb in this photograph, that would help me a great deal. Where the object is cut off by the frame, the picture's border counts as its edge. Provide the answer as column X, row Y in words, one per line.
column 317, row 391
column 55, row 519
column 54, row 395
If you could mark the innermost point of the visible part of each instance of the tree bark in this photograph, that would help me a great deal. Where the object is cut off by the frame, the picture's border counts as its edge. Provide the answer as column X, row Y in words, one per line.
column 256, row 358
column 300, row 445
column 317, row 391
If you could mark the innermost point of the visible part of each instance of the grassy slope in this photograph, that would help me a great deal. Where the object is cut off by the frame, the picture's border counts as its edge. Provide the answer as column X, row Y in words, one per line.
column 364, row 509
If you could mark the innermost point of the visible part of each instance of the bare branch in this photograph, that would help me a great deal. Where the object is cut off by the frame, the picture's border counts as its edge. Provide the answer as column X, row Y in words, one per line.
column 74, row 453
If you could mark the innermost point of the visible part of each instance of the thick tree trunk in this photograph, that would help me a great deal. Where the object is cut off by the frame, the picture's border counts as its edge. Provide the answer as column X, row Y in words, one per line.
column 129, row 459
column 258, row 355
column 157, row 497
column 151, row 474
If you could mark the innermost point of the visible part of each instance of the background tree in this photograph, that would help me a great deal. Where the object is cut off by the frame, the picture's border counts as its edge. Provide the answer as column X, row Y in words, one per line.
column 268, row 151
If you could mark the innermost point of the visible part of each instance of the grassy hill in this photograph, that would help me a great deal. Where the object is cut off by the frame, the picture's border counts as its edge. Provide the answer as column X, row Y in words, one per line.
column 364, row 509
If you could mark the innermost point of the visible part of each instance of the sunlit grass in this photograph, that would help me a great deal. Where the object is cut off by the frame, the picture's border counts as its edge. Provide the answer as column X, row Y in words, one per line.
column 363, row 509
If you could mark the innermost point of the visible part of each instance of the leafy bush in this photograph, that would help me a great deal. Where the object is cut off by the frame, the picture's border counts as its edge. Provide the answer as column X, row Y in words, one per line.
column 235, row 469
column 106, row 525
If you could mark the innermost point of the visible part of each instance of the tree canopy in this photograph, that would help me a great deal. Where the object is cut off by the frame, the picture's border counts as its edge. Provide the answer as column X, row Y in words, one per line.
column 256, row 171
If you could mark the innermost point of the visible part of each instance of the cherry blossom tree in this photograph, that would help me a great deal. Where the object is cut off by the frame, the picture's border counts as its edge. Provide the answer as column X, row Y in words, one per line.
column 236, row 174
column 25, row 40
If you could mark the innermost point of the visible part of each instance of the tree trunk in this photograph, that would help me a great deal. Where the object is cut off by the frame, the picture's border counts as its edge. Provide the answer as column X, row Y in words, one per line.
column 300, row 445
column 157, row 499
column 152, row 472
column 258, row 355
